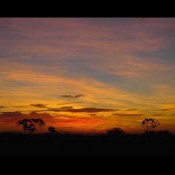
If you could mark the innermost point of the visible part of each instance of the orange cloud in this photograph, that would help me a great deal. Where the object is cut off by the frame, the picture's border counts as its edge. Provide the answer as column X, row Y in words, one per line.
column 120, row 114
column 156, row 115
column 39, row 105
column 130, row 109
column 72, row 96
column 88, row 110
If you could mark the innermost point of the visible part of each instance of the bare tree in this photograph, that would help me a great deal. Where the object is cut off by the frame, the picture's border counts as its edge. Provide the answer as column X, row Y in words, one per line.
column 150, row 123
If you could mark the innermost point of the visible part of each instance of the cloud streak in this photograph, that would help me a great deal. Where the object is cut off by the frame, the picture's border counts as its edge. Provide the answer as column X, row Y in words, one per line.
column 122, row 114
column 130, row 109
column 168, row 109
column 72, row 96
column 39, row 105
column 156, row 115
column 80, row 110
column 11, row 114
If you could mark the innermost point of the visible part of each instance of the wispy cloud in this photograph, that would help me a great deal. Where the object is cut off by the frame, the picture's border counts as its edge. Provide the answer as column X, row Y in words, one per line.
column 72, row 96
column 66, row 107
column 71, row 103
column 12, row 117
column 168, row 109
column 11, row 114
column 93, row 115
column 128, row 66
column 130, row 109
column 19, row 106
column 122, row 114
column 86, row 110
column 39, row 105
column 156, row 115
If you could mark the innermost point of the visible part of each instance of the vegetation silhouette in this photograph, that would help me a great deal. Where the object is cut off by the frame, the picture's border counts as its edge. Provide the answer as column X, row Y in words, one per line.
column 114, row 142
column 52, row 130
column 164, row 133
column 115, row 132
column 150, row 144
column 39, row 122
column 150, row 123
column 29, row 125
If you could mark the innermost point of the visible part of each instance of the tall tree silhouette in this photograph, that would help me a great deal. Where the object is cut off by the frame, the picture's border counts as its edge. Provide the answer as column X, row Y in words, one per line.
column 29, row 125
column 149, row 123
column 39, row 122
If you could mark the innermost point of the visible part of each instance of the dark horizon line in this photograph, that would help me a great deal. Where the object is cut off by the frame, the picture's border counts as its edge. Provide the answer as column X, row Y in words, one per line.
column 87, row 133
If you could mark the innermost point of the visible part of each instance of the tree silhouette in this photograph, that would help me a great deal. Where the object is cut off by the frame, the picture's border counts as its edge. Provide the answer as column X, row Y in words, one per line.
column 29, row 125
column 115, row 132
column 39, row 122
column 150, row 123
column 51, row 130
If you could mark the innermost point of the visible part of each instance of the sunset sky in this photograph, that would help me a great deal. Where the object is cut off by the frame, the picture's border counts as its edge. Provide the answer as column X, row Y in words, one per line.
column 87, row 74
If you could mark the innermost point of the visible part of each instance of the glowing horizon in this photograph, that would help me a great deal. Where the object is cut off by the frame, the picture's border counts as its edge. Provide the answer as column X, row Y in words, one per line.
column 87, row 74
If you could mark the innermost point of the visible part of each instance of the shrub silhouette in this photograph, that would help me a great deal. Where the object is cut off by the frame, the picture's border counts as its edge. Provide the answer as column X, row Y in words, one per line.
column 150, row 123
column 115, row 132
column 164, row 133
column 29, row 125
column 51, row 130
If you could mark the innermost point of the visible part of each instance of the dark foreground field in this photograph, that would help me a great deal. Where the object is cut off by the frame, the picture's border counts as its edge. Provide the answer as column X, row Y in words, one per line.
column 20, row 145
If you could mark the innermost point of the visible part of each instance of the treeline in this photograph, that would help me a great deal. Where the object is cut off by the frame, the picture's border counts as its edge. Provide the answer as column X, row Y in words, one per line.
column 31, row 125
